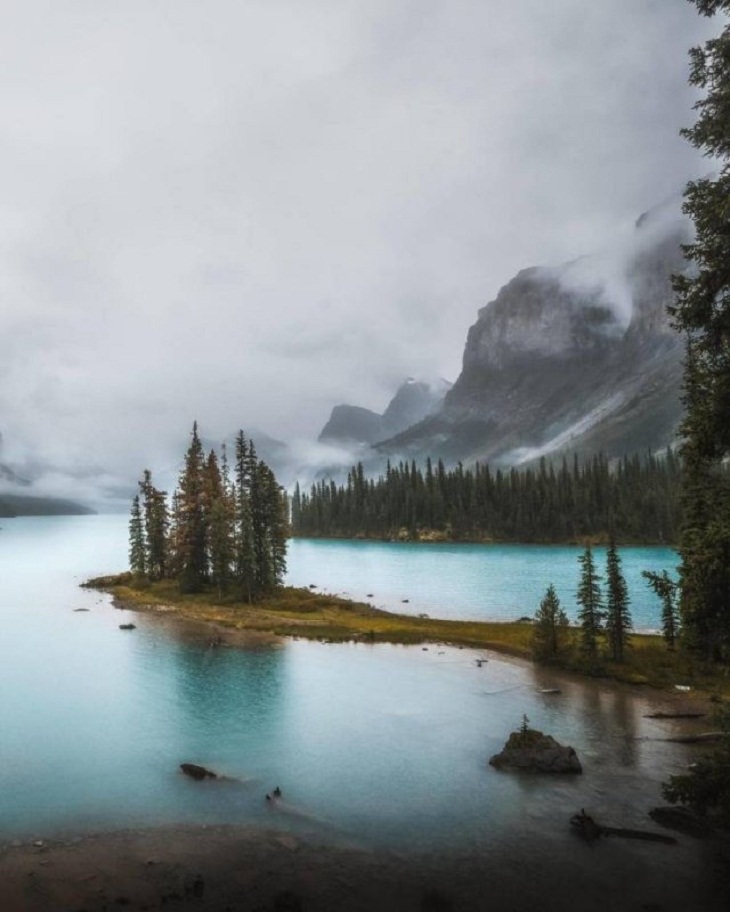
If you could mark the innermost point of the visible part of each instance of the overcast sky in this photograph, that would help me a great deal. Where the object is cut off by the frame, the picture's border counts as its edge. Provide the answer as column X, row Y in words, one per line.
column 248, row 211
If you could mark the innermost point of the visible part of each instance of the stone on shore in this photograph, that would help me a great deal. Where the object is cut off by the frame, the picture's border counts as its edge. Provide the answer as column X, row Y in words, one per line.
column 532, row 751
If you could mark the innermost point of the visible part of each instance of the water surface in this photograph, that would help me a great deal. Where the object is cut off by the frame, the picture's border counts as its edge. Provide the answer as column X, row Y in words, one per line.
column 378, row 745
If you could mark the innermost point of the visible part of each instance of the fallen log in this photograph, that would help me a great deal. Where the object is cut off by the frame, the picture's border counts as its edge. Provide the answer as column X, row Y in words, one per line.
column 701, row 738
column 675, row 715
column 587, row 828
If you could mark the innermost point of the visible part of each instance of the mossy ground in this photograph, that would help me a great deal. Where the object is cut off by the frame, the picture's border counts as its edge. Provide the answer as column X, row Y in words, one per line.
column 320, row 616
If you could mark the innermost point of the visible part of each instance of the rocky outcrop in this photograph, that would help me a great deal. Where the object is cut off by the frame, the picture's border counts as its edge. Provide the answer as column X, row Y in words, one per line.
column 531, row 751
column 576, row 358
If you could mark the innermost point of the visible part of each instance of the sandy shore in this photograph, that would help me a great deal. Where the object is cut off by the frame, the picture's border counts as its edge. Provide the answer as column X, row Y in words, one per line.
column 218, row 868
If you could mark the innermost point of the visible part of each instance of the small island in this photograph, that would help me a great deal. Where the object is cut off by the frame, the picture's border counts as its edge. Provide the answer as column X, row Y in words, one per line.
column 529, row 750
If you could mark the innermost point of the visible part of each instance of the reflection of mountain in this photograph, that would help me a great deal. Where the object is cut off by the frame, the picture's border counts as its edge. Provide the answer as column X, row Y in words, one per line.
column 413, row 402
column 577, row 358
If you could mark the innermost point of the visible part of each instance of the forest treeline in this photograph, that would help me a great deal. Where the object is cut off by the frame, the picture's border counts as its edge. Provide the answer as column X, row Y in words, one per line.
column 636, row 499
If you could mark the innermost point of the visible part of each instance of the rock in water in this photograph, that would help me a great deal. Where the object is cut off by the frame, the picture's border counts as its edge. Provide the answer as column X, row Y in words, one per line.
column 197, row 772
column 532, row 751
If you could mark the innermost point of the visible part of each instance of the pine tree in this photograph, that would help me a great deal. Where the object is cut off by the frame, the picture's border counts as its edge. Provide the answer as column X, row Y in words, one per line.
column 220, row 524
column 702, row 311
column 137, row 546
column 192, row 519
column 550, row 623
column 590, row 611
column 243, row 534
column 618, row 615
column 666, row 588
column 155, row 520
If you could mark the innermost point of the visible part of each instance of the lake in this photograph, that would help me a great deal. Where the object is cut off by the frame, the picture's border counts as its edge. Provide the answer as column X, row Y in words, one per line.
column 468, row 582
column 374, row 745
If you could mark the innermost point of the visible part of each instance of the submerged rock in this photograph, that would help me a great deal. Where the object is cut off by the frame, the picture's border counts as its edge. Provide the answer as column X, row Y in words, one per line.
column 197, row 772
column 532, row 751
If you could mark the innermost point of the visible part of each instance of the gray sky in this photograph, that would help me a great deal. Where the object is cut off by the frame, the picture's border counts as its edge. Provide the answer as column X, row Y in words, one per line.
column 248, row 211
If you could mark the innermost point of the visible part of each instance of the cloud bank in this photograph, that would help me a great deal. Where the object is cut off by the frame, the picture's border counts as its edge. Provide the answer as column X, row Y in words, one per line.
column 248, row 211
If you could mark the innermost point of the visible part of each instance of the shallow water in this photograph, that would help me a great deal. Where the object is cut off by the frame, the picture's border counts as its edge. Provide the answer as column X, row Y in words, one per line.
column 381, row 745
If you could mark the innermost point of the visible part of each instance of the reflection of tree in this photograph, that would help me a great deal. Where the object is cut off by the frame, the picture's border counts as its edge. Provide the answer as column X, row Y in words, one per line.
column 624, row 720
column 228, row 700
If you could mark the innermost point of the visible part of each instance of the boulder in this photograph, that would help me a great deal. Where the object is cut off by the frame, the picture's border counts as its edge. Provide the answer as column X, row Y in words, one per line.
column 532, row 751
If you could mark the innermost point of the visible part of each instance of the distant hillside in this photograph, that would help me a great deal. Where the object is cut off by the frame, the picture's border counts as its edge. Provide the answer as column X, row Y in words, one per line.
column 22, row 505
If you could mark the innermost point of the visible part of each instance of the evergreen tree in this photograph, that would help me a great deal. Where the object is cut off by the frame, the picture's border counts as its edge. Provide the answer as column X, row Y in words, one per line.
column 192, row 519
column 137, row 546
column 550, row 622
column 220, row 524
column 618, row 615
column 666, row 588
column 590, row 611
column 156, row 522
column 243, row 535
column 702, row 311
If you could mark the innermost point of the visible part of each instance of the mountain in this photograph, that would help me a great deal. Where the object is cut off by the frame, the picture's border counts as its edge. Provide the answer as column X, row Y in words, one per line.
column 413, row 402
column 576, row 358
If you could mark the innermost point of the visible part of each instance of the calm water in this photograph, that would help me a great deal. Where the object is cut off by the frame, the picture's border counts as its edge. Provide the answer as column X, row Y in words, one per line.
column 371, row 744
column 479, row 582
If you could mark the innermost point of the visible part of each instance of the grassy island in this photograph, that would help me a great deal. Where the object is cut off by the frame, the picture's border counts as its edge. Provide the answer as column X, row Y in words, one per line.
column 292, row 612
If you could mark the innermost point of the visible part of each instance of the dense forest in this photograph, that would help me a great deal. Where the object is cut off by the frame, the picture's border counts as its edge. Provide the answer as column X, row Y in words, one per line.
column 635, row 499
column 217, row 531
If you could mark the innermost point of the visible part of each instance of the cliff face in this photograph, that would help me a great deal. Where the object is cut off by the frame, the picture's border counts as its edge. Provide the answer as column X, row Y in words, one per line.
column 577, row 358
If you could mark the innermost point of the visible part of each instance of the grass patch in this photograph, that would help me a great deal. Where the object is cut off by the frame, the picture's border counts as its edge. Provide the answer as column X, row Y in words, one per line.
column 319, row 616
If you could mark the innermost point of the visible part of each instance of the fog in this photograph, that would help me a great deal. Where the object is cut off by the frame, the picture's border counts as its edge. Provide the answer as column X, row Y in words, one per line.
column 249, row 211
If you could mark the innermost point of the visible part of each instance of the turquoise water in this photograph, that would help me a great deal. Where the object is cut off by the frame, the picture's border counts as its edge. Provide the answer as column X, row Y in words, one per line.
column 477, row 582
column 372, row 745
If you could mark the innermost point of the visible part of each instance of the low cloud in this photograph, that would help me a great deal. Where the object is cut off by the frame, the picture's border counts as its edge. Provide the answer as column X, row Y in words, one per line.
column 246, row 213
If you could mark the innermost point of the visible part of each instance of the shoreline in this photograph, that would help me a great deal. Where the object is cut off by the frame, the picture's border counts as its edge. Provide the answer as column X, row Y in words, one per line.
column 212, row 868
column 316, row 615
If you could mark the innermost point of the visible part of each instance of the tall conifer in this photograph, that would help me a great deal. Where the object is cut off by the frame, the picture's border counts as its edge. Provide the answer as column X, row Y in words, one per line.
column 590, row 611
column 618, row 615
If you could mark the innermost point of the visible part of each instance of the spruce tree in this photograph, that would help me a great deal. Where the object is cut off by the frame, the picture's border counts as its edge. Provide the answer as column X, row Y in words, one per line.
column 666, row 588
column 220, row 524
column 590, row 611
column 550, row 622
column 243, row 535
column 137, row 546
column 192, row 518
column 701, row 310
column 155, row 520
column 618, row 615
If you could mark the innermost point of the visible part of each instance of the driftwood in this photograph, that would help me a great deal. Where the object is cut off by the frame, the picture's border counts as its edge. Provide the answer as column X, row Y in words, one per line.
column 675, row 715
column 127, row 627
column 587, row 828
column 701, row 738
